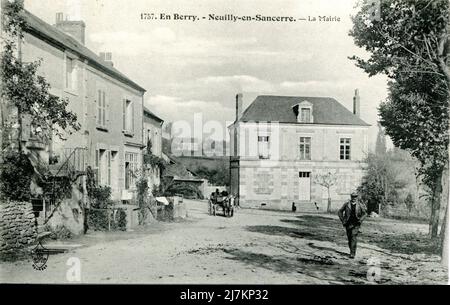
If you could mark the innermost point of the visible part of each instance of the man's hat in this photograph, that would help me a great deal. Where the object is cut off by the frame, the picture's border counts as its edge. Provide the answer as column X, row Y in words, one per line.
column 354, row 195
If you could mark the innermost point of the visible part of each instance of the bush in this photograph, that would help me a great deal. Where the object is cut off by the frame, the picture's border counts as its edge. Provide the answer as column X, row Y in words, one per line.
column 154, row 161
column 142, row 198
column 100, row 197
column 98, row 220
column 166, row 211
column 101, row 214
column 384, row 181
column 15, row 177
column 59, row 232
column 120, row 222
column 188, row 190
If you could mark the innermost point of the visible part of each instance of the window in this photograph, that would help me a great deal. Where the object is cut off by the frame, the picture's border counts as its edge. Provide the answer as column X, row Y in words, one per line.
column 103, row 166
column 305, row 148
column 263, row 147
column 305, row 115
column 70, row 74
column 128, row 116
column 344, row 149
column 97, row 166
column 152, row 136
column 101, row 109
column 131, row 167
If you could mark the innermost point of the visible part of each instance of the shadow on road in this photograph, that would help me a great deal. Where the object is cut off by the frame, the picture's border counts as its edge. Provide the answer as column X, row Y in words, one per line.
column 313, row 269
column 308, row 227
column 316, row 227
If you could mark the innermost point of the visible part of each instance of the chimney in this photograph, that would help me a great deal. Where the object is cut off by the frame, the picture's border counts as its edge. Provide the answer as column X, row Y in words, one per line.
column 356, row 110
column 239, row 105
column 76, row 29
column 106, row 57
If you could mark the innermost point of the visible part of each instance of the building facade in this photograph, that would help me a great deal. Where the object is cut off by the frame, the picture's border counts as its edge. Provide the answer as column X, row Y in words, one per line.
column 153, row 141
column 281, row 146
column 109, row 108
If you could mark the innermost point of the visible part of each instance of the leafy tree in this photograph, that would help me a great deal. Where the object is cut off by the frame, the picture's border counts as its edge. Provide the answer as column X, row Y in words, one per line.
column 24, row 93
column 382, row 183
column 186, row 189
column 408, row 41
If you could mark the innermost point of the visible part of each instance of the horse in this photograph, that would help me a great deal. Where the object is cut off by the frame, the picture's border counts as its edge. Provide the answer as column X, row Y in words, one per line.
column 227, row 204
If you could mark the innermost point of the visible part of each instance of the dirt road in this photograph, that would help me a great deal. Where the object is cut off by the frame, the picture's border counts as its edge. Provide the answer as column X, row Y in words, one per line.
column 254, row 247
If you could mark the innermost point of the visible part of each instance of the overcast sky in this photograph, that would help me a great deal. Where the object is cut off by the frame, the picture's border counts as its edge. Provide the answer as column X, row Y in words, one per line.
column 198, row 67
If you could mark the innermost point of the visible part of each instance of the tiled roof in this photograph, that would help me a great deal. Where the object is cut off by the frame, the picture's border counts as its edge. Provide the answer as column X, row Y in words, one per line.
column 325, row 110
column 147, row 111
column 49, row 33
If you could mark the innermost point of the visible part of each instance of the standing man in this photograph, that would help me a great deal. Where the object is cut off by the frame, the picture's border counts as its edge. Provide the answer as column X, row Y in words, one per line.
column 352, row 214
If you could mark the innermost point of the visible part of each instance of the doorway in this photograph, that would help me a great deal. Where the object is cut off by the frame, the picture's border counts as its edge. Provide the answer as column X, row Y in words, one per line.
column 304, row 186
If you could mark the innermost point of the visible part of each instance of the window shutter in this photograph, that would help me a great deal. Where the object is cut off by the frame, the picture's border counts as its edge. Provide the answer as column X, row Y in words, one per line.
column 99, row 107
column 107, row 110
column 124, row 127
column 132, row 116
column 103, row 109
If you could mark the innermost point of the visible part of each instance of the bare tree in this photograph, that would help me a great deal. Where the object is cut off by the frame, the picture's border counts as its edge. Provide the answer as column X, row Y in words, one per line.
column 327, row 181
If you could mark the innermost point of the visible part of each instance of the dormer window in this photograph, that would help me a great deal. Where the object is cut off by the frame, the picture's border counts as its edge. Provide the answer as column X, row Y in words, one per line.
column 303, row 112
column 305, row 115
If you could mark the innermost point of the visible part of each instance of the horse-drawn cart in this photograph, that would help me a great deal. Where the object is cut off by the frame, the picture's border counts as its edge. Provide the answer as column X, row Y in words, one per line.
column 221, row 201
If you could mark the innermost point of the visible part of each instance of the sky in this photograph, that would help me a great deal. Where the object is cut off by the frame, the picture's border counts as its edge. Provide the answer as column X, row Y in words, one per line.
column 196, row 68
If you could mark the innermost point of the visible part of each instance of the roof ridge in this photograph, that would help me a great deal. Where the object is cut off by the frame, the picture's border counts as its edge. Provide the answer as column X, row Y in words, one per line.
column 326, row 110
column 75, row 46
column 296, row 96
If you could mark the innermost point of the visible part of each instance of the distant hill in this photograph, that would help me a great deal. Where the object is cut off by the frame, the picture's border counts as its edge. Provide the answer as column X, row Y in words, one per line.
column 215, row 169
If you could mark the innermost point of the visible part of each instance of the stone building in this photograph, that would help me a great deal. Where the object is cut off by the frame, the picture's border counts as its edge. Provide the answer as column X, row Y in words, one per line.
column 280, row 145
column 109, row 108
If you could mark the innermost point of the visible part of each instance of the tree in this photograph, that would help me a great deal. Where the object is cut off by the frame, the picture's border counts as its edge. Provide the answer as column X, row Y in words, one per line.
column 327, row 181
column 408, row 41
column 381, row 183
column 409, row 202
column 24, row 93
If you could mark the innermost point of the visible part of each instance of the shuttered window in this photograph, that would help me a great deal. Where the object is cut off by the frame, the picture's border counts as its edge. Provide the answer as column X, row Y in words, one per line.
column 102, row 109
column 128, row 115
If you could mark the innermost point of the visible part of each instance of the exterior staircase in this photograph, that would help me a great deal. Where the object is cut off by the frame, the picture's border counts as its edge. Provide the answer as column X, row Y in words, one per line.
column 65, row 172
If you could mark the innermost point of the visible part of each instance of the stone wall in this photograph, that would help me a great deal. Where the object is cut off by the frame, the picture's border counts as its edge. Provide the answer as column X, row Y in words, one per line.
column 17, row 228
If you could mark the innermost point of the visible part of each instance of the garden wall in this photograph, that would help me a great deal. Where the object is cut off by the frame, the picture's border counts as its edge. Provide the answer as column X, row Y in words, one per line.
column 17, row 228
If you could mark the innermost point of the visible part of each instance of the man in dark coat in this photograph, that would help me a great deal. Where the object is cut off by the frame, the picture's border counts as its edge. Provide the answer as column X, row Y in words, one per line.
column 352, row 214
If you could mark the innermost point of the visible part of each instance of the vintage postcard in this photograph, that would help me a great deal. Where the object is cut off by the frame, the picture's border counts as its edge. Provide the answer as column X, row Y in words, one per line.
column 224, row 142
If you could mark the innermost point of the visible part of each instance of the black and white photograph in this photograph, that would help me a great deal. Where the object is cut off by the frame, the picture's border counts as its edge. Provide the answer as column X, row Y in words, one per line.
column 224, row 142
